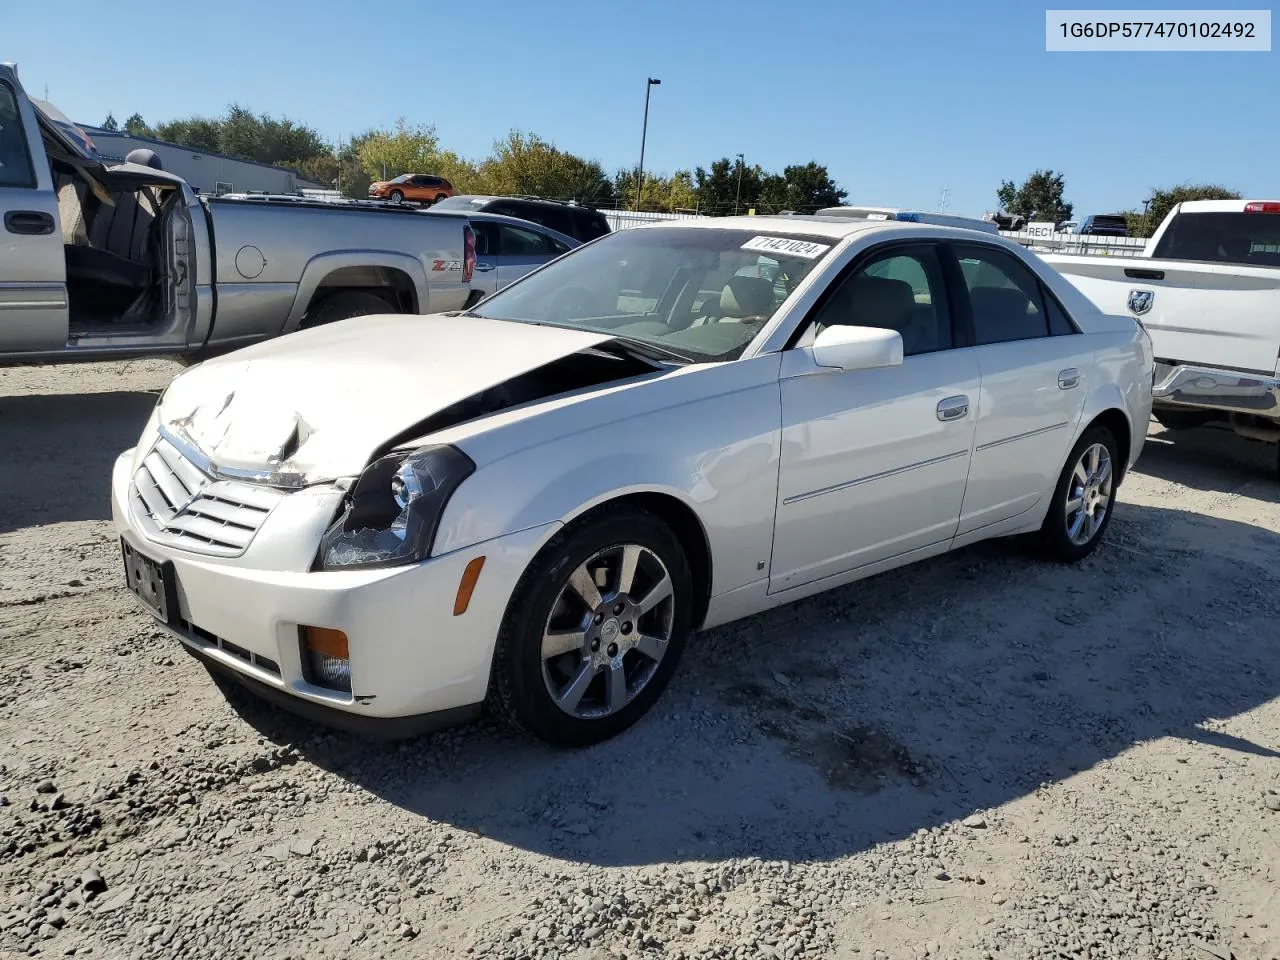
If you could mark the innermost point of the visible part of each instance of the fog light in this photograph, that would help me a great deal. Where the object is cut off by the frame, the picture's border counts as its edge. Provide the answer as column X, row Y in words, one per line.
column 325, row 659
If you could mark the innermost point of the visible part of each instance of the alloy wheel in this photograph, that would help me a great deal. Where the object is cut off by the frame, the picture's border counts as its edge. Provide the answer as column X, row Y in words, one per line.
column 1089, row 494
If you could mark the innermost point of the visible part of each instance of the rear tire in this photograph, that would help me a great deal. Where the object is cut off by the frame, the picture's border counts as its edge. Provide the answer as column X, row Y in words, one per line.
column 440, row 197
column 342, row 305
column 1087, row 487
column 552, row 642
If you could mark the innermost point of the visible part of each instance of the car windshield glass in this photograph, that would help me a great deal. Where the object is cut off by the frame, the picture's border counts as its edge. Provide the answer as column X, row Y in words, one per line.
column 403, row 178
column 701, row 293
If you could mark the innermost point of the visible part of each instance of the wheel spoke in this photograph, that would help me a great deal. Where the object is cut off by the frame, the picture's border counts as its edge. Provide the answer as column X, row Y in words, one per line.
column 1081, row 474
column 657, row 593
column 651, row 646
column 582, row 583
column 1091, row 525
column 1091, row 460
column 617, row 695
column 571, row 695
column 1103, row 502
column 1073, row 529
column 1104, row 473
column 556, row 642
column 1074, row 504
column 627, row 568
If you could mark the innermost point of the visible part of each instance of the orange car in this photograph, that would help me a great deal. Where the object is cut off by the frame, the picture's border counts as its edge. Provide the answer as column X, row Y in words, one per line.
column 413, row 187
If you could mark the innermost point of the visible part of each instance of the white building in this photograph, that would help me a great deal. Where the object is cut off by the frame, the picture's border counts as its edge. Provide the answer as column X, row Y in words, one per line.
column 206, row 172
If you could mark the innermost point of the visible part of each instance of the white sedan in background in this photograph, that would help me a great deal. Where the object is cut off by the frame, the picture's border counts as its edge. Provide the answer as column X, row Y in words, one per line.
column 388, row 521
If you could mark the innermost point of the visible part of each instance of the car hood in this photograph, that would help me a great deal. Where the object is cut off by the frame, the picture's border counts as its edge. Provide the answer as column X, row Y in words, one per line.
column 317, row 405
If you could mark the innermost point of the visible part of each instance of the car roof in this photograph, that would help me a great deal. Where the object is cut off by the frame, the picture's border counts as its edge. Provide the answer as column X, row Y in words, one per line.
column 487, row 217
column 837, row 228
column 478, row 199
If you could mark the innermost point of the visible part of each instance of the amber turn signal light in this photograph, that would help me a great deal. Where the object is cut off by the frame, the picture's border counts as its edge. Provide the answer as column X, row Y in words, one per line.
column 327, row 642
column 467, row 585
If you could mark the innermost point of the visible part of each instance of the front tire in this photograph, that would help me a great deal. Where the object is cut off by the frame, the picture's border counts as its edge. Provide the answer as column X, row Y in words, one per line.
column 396, row 196
column 1084, row 498
column 594, row 630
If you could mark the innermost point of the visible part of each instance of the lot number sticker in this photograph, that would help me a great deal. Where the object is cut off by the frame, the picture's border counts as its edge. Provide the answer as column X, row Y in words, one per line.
column 787, row 245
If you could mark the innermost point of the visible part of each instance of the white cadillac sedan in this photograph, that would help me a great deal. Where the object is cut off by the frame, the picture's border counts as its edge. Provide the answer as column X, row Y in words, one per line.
column 389, row 521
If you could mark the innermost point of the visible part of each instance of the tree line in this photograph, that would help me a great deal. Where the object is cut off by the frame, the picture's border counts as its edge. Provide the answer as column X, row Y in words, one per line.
column 1041, row 197
column 521, row 163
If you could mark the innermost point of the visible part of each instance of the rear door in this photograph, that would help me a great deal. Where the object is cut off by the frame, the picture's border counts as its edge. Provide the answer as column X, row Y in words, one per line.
column 33, row 271
column 485, row 278
column 1035, row 370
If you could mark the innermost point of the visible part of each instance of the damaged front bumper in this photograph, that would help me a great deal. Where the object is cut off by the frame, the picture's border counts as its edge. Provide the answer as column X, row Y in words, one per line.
column 411, row 657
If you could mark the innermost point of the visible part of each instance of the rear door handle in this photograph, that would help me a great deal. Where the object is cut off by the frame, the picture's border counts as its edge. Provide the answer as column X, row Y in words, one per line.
column 486, row 267
column 953, row 408
column 1068, row 378
column 32, row 222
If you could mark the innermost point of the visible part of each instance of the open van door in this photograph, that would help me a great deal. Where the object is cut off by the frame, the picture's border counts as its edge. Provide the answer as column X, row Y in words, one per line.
column 33, row 271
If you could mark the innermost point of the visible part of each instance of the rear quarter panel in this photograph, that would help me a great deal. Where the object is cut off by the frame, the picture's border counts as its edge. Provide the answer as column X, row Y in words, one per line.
column 707, row 436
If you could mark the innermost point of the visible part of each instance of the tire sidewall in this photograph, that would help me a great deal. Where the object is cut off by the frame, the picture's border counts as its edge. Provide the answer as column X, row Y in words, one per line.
column 518, row 666
column 1054, row 532
column 395, row 196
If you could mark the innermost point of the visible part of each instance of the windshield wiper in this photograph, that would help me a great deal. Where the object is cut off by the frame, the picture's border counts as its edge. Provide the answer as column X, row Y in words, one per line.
column 651, row 351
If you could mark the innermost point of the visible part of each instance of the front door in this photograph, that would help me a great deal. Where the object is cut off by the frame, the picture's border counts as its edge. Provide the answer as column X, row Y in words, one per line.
column 874, row 462
column 33, row 269
column 1035, row 369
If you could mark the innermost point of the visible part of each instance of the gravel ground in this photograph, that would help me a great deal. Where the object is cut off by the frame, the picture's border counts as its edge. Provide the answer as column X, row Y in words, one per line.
column 979, row 756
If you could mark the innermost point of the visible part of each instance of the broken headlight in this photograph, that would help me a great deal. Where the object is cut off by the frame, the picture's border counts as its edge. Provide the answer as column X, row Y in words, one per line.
column 394, row 509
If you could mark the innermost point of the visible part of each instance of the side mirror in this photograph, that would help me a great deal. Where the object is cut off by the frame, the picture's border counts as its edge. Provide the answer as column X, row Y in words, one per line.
column 857, row 348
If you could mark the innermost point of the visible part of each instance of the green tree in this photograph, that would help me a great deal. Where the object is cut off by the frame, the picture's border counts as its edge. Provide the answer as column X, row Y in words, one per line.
column 717, row 187
column 199, row 133
column 662, row 194
column 1038, row 198
column 110, row 123
column 135, row 126
column 385, row 154
column 1165, row 199
column 525, row 164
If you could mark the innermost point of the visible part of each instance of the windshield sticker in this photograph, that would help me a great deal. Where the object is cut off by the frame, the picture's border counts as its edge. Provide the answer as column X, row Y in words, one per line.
column 787, row 245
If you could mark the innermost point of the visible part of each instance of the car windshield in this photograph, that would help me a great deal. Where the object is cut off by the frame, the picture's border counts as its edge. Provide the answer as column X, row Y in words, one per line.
column 702, row 294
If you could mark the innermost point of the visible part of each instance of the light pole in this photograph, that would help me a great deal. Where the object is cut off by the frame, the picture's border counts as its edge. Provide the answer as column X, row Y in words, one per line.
column 738, row 196
column 644, row 132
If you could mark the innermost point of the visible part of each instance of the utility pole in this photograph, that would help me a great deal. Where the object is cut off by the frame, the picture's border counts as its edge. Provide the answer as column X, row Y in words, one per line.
column 737, row 199
column 644, row 132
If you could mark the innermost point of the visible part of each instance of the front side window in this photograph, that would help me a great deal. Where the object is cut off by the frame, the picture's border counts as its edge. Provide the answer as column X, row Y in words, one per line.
column 901, row 289
column 15, row 160
column 699, row 293
column 1004, row 296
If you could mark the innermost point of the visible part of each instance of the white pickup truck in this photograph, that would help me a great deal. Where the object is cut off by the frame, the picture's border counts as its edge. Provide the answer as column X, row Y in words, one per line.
column 1207, row 289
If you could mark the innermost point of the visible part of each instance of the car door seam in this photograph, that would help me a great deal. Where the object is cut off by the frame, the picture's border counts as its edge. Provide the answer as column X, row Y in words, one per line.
column 1024, row 436
column 846, row 484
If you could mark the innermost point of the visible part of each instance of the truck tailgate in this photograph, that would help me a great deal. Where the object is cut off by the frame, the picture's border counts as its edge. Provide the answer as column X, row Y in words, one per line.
column 1217, row 315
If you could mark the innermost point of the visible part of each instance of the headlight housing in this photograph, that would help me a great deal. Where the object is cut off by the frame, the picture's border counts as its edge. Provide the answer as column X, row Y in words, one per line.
column 394, row 509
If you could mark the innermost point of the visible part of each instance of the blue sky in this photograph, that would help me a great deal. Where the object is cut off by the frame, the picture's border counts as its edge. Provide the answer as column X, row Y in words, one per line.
column 900, row 100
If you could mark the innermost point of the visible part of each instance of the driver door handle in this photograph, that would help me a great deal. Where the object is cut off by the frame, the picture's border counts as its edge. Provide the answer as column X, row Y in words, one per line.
column 953, row 408
column 485, row 267
column 31, row 222
column 1068, row 378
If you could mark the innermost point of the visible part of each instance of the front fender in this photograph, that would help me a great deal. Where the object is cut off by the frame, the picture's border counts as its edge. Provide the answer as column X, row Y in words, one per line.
column 322, row 265
column 716, row 455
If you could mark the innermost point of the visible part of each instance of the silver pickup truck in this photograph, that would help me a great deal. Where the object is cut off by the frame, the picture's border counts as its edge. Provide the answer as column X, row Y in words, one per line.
column 103, row 261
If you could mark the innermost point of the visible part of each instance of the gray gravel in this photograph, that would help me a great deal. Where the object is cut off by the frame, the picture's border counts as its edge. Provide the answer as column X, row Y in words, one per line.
column 978, row 757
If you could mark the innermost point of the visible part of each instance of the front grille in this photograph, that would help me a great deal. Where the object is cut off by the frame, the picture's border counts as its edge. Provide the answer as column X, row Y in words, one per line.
column 179, row 504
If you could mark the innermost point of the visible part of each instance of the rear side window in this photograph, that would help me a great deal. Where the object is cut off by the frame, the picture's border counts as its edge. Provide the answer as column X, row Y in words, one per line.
column 1004, row 296
column 15, row 160
column 588, row 225
column 1252, row 239
column 514, row 242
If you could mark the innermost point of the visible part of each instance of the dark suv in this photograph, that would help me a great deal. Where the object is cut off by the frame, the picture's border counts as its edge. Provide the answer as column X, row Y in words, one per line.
column 581, row 223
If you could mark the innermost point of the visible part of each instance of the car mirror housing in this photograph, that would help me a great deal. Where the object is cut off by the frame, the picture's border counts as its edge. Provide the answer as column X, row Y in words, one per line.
column 842, row 347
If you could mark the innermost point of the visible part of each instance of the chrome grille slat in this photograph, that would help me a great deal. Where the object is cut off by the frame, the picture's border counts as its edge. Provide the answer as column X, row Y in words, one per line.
column 167, row 481
column 177, row 503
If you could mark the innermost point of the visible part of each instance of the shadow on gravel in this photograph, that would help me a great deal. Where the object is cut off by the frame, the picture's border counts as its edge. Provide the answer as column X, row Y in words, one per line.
column 862, row 715
column 1212, row 458
column 57, row 452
